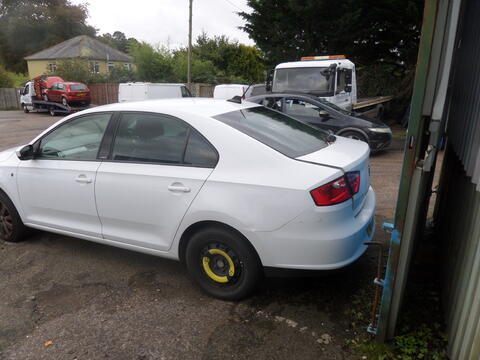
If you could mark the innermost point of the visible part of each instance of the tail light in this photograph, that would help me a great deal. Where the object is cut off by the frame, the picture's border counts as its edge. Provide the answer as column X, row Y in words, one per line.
column 338, row 190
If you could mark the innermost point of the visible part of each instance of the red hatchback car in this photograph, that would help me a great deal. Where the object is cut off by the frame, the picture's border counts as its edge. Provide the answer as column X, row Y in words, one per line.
column 68, row 93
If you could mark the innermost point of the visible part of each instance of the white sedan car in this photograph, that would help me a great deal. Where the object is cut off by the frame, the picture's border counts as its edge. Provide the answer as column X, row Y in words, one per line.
column 228, row 188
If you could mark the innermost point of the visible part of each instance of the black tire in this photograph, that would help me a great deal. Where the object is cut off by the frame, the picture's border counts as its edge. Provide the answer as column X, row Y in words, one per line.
column 236, row 278
column 52, row 111
column 352, row 134
column 11, row 226
column 25, row 109
column 64, row 101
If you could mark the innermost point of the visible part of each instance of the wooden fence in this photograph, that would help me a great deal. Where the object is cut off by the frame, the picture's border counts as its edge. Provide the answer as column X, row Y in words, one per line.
column 201, row 89
column 9, row 98
column 103, row 94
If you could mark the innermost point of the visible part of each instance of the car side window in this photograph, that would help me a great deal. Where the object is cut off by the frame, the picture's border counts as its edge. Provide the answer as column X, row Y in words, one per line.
column 296, row 107
column 78, row 139
column 150, row 138
column 199, row 152
column 272, row 103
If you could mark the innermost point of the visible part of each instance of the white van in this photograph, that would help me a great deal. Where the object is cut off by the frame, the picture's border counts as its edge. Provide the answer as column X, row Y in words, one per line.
column 138, row 91
column 228, row 91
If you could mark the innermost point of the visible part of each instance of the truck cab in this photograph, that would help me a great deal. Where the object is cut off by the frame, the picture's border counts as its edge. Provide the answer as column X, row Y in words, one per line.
column 330, row 77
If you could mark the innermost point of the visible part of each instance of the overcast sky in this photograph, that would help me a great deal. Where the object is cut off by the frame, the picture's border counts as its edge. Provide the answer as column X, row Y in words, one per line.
column 165, row 22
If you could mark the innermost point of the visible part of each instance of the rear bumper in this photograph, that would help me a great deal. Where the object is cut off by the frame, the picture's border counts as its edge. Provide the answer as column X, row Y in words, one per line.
column 320, row 241
column 78, row 98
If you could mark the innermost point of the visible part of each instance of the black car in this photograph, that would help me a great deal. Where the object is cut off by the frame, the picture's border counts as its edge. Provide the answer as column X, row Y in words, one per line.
column 327, row 116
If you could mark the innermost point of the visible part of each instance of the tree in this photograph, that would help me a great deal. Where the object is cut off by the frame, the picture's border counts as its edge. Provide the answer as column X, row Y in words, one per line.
column 6, row 80
column 29, row 26
column 153, row 64
column 74, row 70
column 366, row 30
column 119, row 41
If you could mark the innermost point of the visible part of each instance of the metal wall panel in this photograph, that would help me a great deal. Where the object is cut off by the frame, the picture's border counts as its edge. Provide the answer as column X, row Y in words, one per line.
column 459, row 201
column 464, row 114
column 460, row 231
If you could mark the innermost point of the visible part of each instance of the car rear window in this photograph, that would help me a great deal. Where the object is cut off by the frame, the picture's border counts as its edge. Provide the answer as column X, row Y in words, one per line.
column 288, row 136
column 78, row 87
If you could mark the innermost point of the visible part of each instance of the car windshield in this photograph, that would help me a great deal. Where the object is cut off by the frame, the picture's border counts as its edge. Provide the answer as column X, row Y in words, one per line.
column 282, row 133
column 78, row 87
column 315, row 80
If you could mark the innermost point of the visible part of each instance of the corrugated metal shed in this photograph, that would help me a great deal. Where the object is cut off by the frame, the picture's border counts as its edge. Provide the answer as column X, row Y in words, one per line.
column 459, row 202
column 450, row 101
column 464, row 116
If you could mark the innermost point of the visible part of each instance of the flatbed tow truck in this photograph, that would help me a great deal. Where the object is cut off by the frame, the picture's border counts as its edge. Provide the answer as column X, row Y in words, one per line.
column 330, row 77
column 31, row 101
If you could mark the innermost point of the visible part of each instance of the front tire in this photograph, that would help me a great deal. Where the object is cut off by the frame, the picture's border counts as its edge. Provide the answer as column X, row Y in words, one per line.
column 11, row 225
column 223, row 263
column 64, row 101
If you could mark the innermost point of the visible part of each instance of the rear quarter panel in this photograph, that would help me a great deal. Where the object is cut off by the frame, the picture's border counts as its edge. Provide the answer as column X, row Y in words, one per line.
column 253, row 187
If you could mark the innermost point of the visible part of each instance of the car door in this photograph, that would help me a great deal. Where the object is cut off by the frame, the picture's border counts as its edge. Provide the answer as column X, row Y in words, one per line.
column 311, row 113
column 60, row 92
column 144, row 187
column 53, row 92
column 56, row 188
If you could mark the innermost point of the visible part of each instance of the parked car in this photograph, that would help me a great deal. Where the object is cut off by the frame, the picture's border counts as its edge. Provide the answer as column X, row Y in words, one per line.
column 68, row 93
column 138, row 91
column 226, row 188
column 324, row 115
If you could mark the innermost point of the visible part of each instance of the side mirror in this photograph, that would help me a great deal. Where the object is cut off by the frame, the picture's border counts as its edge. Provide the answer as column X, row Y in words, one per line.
column 25, row 153
column 323, row 114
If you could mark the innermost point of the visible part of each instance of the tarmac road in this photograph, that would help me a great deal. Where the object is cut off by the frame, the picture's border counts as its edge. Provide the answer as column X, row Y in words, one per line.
column 64, row 298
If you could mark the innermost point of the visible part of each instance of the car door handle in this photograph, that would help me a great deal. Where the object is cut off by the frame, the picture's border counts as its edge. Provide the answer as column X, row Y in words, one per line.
column 178, row 187
column 82, row 179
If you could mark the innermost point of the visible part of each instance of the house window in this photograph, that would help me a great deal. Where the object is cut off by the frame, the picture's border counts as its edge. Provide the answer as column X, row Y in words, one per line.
column 52, row 67
column 110, row 66
column 127, row 66
column 94, row 67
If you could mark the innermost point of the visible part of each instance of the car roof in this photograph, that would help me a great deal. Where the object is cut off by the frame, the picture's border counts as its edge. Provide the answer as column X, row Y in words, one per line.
column 191, row 105
column 295, row 95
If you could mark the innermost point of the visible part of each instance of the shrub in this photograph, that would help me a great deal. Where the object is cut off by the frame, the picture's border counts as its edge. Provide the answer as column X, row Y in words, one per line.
column 6, row 80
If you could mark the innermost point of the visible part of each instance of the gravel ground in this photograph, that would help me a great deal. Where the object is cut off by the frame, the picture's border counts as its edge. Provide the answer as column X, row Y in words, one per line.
column 64, row 298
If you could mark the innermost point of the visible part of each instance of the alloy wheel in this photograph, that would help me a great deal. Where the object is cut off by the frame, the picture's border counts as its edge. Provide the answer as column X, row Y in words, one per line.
column 6, row 222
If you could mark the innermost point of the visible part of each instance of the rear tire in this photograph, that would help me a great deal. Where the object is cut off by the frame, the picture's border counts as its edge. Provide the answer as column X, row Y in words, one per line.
column 11, row 225
column 64, row 101
column 223, row 263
